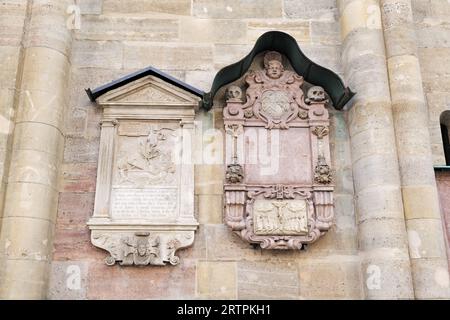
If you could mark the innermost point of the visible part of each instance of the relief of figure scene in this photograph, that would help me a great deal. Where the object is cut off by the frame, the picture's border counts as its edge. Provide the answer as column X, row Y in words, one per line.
column 280, row 217
column 153, row 161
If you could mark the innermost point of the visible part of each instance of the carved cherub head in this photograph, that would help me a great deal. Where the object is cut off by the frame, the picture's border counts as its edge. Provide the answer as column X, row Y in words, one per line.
column 141, row 246
column 273, row 64
column 234, row 93
column 315, row 94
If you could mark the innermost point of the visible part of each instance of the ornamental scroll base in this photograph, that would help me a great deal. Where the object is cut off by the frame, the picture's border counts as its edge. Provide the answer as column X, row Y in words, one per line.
column 292, row 205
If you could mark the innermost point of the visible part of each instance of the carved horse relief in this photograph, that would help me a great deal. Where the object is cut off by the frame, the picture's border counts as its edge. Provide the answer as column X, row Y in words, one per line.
column 291, row 204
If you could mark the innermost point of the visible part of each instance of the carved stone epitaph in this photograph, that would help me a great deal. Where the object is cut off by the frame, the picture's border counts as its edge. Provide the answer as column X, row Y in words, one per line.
column 278, row 180
column 144, row 205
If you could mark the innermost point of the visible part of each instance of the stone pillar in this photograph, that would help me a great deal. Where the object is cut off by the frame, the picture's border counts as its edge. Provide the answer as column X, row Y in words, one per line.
column 382, row 234
column 32, row 185
column 12, row 20
column 421, row 204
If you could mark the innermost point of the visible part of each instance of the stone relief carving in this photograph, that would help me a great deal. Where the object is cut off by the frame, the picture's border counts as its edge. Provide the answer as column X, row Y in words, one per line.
column 320, row 131
column 278, row 215
column 235, row 173
column 273, row 94
column 144, row 202
column 322, row 171
column 152, row 163
column 141, row 248
column 315, row 94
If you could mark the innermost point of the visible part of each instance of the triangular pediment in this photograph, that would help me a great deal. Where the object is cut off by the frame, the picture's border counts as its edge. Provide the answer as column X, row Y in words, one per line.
column 149, row 90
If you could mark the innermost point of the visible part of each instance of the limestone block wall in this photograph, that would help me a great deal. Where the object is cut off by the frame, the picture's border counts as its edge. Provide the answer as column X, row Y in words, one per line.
column 432, row 25
column 51, row 50
column 192, row 40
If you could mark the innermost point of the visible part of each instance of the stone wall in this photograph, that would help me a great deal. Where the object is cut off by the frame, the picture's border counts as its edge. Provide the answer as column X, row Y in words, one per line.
column 432, row 24
column 443, row 184
column 192, row 42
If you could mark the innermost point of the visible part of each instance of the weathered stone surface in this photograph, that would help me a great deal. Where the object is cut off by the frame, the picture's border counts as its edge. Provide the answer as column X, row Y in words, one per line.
column 443, row 186
column 432, row 278
column 382, row 233
column 401, row 41
column 38, row 137
column 267, row 280
column 34, row 167
column 27, row 238
column 336, row 241
column 320, row 10
column 12, row 19
column 325, row 32
column 406, row 81
column 9, row 59
column 181, row 7
column 386, row 275
column 237, row 9
column 72, row 238
column 81, row 150
column 226, row 54
column 383, row 164
column 105, row 27
column 326, row 56
column 359, row 15
column 126, row 282
column 91, row 6
column 97, row 54
column 216, row 280
column 336, row 277
column 222, row 31
column 426, row 238
column 198, row 249
column 68, row 280
column 224, row 245
column 50, row 26
column 210, row 208
column 36, row 201
column 78, row 177
column 200, row 79
column 435, row 67
column 300, row 30
column 420, row 201
column 344, row 206
column 19, row 275
column 379, row 201
column 167, row 56
column 209, row 179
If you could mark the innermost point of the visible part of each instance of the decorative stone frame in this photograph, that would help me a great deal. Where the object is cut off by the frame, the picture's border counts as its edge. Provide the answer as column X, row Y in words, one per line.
column 295, row 206
column 152, row 232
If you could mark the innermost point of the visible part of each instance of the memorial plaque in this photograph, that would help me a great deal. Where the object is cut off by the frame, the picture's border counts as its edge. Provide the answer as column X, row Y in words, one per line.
column 278, row 190
column 144, row 204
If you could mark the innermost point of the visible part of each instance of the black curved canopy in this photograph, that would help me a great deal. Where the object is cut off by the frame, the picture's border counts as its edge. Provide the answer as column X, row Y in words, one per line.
column 272, row 40
column 285, row 44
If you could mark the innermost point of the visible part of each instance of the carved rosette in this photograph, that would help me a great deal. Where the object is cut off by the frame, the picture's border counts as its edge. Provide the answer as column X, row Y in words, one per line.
column 287, row 214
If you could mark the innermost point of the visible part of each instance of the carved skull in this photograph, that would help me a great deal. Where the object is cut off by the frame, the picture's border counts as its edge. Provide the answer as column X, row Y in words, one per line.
column 316, row 94
column 234, row 93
